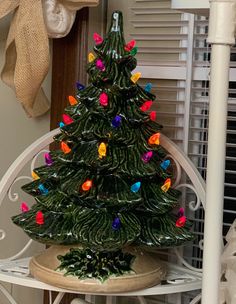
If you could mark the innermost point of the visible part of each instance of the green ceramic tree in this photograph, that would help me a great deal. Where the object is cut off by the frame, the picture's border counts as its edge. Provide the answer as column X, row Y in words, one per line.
column 108, row 185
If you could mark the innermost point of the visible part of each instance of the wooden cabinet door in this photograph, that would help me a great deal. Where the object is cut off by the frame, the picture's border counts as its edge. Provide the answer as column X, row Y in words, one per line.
column 69, row 59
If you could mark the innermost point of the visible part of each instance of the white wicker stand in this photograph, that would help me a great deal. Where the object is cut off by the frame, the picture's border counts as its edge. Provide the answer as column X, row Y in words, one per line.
column 181, row 278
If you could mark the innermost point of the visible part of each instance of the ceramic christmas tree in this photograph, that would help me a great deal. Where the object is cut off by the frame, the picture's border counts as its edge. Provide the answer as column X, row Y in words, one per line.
column 105, row 196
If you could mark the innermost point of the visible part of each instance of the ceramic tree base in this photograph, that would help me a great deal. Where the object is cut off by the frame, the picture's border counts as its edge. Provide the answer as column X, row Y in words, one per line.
column 147, row 271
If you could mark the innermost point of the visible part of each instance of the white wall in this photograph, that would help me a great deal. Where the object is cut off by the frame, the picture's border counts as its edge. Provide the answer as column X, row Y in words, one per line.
column 17, row 131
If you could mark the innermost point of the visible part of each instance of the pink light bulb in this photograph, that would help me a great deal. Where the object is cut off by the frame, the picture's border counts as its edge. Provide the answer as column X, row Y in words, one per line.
column 97, row 38
column 100, row 65
column 24, row 207
column 67, row 119
column 103, row 98
column 147, row 156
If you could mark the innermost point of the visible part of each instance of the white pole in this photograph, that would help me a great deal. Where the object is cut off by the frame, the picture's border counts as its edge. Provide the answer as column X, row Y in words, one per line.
column 221, row 36
column 215, row 173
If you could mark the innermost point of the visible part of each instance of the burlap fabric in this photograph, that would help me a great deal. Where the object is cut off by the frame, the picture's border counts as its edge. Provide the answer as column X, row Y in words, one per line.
column 27, row 51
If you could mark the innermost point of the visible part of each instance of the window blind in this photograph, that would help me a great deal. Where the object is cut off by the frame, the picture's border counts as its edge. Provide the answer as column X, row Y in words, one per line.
column 173, row 55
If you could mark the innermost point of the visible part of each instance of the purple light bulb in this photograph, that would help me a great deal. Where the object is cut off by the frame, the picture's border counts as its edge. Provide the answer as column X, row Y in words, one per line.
column 181, row 212
column 116, row 121
column 79, row 86
column 48, row 159
column 116, row 224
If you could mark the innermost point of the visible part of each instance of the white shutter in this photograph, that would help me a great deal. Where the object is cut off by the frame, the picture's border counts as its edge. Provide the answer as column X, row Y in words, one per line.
column 173, row 55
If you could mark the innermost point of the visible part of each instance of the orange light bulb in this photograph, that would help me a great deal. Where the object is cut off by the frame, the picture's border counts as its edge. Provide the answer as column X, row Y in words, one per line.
column 87, row 185
column 154, row 139
column 72, row 100
column 65, row 148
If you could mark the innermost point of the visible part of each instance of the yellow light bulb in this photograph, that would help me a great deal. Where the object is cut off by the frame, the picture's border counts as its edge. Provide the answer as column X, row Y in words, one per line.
column 166, row 185
column 34, row 175
column 91, row 57
column 102, row 150
column 135, row 77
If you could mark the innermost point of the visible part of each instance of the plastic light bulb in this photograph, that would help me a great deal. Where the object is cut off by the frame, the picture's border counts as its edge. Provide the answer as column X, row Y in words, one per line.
column 61, row 124
column 79, row 86
column 165, row 164
column 148, row 87
column 39, row 218
column 181, row 221
column 65, row 148
column 102, row 150
column 146, row 105
column 135, row 187
column 116, row 224
column 116, row 121
column 87, row 185
column 34, row 175
column 181, row 212
column 24, row 207
column 153, row 115
column 130, row 45
column 91, row 57
column 100, row 65
column 103, row 98
column 134, row 51
column 97, row 38
column 72, row 100
column 147, row 156
column 67, row 119
column 43, row 190
column 154, row 139
column 48, row 159
column 134, row 78
column 166, row 185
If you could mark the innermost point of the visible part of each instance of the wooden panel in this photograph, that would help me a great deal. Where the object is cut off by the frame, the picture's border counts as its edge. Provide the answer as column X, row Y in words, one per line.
column 68, row 66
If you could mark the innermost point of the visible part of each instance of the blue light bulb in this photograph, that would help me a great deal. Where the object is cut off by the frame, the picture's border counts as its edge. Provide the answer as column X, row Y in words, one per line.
column 148, row 87
column 165, row 164
column 116, row 121
column 79, row 86
column 116, row 224
column 43, row 190
column 61, row 124
column 135, row 187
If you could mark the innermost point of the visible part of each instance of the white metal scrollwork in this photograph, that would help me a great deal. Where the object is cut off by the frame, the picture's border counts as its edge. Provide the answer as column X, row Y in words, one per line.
column 197, row 299
column 13, row 197
column 177, row 171
column 191, row 279
column 2, row 234
column 7, row 295
column 32, row 167
column 194, row 206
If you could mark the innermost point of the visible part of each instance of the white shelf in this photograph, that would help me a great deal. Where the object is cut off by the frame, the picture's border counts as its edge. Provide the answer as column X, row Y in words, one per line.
column 199, row 7
column 179, row 279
